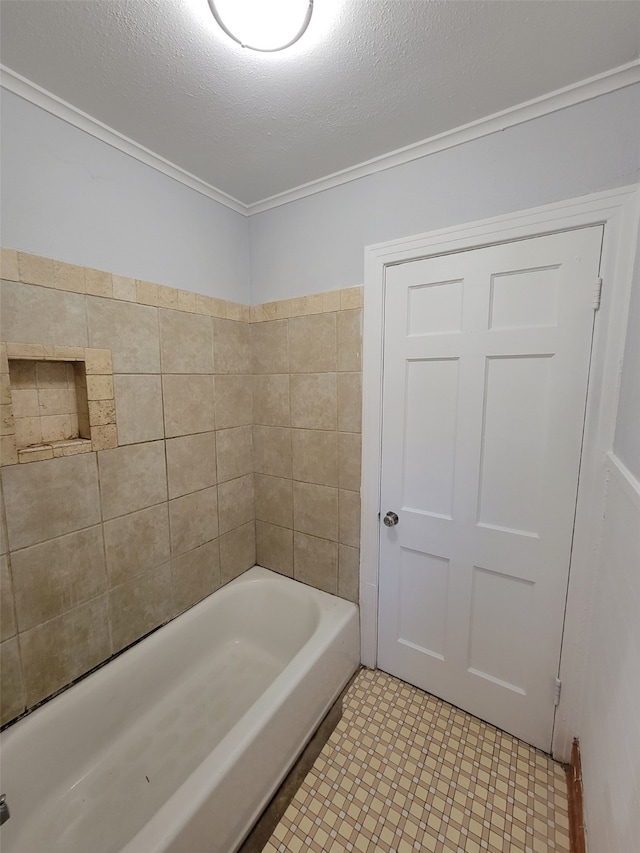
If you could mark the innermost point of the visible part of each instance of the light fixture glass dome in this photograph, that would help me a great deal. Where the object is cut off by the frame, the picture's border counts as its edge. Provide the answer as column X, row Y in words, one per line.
column 265, row 25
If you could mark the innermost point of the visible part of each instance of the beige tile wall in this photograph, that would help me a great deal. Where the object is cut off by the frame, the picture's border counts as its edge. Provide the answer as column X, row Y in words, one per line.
column 235, row 427
column 307, row 439
column 105, row 546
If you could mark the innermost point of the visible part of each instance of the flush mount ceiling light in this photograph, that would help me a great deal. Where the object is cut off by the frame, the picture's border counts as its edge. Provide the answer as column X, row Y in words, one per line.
column 264, row 25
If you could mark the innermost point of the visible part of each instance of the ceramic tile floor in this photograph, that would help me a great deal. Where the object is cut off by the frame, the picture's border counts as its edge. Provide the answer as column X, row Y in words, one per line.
column 404, row 771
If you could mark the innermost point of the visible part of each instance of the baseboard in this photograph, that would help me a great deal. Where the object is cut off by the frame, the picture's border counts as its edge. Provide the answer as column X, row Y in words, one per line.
column 577, row 841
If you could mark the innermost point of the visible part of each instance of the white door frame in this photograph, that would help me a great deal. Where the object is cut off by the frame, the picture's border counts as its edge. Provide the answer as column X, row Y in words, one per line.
column 619, row 211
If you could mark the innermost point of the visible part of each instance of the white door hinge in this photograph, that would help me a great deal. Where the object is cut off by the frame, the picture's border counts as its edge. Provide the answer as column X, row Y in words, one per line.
column 597, row 293
column 557, row 691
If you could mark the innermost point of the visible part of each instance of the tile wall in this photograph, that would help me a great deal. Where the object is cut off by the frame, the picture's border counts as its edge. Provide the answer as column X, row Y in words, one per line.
column 238, row 431
column 105, row 546
column 307, row 444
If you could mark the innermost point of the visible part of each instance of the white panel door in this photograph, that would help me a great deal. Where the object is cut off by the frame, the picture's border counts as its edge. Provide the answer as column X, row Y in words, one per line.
column 486, row 363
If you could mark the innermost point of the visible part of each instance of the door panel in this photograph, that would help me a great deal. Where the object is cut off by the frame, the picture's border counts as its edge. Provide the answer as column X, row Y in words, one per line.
column 501, row 606
column 434, row 308
column 486, row 365
column 429, row 440
column 425, row 576
column 513, row 440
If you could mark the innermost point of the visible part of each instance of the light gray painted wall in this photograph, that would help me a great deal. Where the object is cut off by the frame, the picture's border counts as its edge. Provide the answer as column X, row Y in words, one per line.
column 316, row 243
column 609, row 739
column 627, row 440
column 608, row 728
column 69, row 196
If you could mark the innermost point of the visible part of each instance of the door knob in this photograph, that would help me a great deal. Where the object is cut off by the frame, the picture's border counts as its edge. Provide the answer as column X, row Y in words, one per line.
column 391, row 519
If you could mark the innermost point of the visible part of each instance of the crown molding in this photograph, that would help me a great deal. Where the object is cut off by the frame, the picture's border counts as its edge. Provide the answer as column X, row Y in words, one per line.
column 601, row 84
column 585, row 90
column 72, row 115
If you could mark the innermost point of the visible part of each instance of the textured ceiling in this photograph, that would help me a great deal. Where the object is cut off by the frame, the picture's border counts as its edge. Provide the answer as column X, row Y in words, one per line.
column 368, row 77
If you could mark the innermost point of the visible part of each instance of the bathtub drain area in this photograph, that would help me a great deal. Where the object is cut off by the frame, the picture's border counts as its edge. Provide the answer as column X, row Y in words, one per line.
column 404, row 771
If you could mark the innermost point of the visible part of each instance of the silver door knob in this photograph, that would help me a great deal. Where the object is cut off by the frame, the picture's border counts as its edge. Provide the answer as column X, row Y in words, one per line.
column 391, row 519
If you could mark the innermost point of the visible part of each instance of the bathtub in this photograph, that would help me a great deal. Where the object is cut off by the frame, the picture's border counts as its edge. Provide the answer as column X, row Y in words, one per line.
column 177, row 745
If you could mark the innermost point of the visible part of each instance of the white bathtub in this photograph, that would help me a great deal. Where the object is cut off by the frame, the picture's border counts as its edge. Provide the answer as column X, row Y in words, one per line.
column 177, row 745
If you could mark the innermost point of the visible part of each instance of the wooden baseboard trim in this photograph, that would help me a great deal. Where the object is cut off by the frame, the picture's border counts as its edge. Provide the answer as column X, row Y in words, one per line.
column 577, row 842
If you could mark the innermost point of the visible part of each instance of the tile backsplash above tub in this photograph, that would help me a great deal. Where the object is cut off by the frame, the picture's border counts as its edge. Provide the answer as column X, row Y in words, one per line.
column 217, row 424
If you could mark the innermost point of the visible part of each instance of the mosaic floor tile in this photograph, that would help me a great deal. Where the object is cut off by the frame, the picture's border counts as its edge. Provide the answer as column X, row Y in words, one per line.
column 404, row 772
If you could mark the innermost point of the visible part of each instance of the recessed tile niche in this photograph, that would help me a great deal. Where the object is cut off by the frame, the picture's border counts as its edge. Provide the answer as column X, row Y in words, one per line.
column 60, row 402
column 49, row 400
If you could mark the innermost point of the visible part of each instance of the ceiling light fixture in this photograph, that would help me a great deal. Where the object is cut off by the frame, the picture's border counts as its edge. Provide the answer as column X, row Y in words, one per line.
column 264, row 25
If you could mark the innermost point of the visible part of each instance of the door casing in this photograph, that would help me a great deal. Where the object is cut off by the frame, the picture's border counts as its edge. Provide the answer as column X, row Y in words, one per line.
column 619, row 211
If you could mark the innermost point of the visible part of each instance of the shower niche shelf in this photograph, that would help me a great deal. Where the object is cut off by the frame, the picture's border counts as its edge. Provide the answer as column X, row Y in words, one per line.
column 57, row 401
